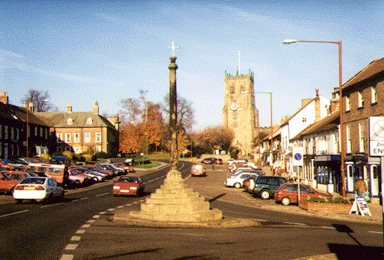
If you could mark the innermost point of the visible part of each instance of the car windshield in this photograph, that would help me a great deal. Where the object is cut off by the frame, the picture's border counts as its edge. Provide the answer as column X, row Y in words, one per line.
column 129, row 179
column 33, row 181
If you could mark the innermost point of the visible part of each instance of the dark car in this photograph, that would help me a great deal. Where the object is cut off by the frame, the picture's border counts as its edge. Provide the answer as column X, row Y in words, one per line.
column 266, row 186
column 209, row 160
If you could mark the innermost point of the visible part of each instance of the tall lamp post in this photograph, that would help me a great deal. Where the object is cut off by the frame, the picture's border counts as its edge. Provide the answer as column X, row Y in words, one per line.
column 270, row 110
column 342, row 148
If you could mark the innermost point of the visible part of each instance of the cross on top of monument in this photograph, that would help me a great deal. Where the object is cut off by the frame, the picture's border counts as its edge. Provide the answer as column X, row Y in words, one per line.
column 173, row 47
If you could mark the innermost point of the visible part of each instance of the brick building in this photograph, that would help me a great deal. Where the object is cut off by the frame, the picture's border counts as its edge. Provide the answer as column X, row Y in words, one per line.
column 83, row 132
column 363, row 96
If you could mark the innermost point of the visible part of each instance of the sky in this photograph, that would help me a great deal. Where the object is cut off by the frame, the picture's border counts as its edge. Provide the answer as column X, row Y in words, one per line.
column 87, row 51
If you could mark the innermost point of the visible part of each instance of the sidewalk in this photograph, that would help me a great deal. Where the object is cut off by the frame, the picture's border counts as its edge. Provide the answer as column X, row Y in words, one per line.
column 374, row 207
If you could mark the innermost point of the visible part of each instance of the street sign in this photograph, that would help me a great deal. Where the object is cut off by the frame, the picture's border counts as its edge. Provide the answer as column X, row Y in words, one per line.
column 376, row 136
column 297, row 154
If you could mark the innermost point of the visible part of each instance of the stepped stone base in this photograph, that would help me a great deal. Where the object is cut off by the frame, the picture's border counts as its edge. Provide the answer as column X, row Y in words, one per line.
column 175, row 202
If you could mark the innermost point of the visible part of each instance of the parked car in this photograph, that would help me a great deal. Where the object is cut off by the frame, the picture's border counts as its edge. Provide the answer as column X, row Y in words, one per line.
column 38, row 189
column 79, row 177
column 210, row 160
column 238, row 179
column 266, row 186
column 127, row 167
column 219, row 161
column 198, row 170
column 249, row 183
column 128, row 185
column 8, row 183
column 287, row 194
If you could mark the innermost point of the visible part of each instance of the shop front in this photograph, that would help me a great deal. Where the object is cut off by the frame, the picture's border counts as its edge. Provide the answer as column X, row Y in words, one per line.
column 327, row 173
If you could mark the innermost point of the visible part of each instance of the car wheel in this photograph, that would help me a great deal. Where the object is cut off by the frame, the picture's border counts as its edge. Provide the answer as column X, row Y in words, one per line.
column 265, row 195
column 237, row 185
column 48, row 200
column 61, row 196
column 285, row 201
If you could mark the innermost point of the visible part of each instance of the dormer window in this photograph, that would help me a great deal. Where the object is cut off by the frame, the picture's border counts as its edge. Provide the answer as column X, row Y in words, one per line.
column 89, row 121
column 69, row 121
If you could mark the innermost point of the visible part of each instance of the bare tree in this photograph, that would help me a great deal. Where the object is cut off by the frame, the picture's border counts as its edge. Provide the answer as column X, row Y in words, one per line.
column 40, row 100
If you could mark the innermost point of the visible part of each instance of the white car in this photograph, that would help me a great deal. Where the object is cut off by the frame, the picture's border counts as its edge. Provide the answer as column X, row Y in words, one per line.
column 38, row 189
column 238, row 179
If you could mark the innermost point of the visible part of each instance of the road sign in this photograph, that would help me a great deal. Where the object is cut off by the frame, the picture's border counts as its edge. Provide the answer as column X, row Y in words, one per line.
column 376, row 136
column 297, row 153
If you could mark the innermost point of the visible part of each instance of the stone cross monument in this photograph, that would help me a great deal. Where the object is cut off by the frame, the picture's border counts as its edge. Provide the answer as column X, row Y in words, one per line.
column 174, row 201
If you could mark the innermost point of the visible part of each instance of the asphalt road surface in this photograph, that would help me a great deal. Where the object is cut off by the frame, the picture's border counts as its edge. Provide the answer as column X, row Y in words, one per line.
column 80, row 228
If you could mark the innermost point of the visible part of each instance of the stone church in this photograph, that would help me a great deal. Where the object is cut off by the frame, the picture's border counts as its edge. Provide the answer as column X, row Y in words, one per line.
column 240, row 112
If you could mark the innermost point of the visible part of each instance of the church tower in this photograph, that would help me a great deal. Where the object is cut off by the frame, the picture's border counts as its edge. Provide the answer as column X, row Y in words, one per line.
column 239, row 111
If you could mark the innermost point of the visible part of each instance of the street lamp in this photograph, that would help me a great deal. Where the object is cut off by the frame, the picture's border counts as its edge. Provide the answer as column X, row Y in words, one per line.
column 342, row 149
column 270, row 109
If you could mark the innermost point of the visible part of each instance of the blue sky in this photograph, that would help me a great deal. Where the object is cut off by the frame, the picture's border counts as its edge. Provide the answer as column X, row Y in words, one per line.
column 87, row 51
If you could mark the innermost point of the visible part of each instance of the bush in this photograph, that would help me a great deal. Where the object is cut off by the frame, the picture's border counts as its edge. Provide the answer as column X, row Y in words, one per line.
column 101, row 155
column 89, row 157
column 45, row 157
column 68, row 154
column 329, row 200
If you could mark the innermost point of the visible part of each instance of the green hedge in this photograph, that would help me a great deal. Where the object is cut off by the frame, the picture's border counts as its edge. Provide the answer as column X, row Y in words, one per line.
column 329, row 200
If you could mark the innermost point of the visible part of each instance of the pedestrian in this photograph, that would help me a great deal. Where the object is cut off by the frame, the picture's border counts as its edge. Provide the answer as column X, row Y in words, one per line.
column 361, row 187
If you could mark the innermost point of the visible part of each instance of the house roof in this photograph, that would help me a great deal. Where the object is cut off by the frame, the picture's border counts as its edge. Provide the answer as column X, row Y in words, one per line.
column 9, row 111
column 328, row 123
column 298, row 111
column 373, row 68
column 79, row 119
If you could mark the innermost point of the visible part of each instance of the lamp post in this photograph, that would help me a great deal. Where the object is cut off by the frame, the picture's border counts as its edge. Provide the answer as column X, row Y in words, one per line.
column 270, row 110
column 342, row 148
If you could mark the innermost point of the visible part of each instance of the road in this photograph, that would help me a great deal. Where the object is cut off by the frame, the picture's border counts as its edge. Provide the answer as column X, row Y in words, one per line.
column 80, row 228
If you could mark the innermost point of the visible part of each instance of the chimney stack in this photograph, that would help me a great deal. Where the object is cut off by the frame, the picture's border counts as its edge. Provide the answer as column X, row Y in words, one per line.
column 69, row 108
column 96, row 108
column 4, row 97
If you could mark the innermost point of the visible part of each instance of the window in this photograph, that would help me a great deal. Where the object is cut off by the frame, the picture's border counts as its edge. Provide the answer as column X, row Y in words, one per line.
column 231, row 89
column 69, row 121
column 349, row 139
column 87, row 137
column 41, row 132
column 242, row 88
column 304, row 119
column 35, row 130
column 360, row 99
column 6, row 132
column 12, row 133
column 89, row 121
column 17, row 134
column 347, row 103
column 76, row 138
column 98, row 137
column 46, row 133
column 59, row 137
column 67, row 137
column 361, row 137
column 98, row 148
column 373, row 95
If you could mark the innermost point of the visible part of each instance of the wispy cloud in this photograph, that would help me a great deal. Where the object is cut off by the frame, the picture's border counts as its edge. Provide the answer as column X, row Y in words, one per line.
column 109, row 18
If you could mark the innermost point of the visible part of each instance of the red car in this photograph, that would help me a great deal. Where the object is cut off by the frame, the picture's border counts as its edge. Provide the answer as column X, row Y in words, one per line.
column 128, row 185
column 9, row 181
column 287, row 193
column 198, row 170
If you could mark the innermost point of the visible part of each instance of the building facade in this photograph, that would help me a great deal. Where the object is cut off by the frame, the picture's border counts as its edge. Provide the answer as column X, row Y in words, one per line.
column 83, row 132
column 240, row 113
column 363, row 96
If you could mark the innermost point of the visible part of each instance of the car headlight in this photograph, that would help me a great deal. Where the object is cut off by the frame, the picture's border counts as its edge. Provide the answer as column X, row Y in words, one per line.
column 133, row 188
column 116, row 187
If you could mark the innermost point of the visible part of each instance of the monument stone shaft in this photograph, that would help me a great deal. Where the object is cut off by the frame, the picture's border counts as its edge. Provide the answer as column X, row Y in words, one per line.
column 173, row 112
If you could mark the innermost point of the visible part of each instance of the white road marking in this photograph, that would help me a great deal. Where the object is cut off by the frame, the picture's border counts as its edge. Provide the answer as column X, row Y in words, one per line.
column 326, row 227
column 102, row 194
column 375, row 232
column 129, row 204
column 102, row 212
column 136, row 202
column 71, row 246
column 91, row 221
column 75, row 200
column 75, row 238
column 67, row 257
column 14, row 213
column 84, row 198
column 86, row 225
column 294, row 223
column 51, row 205
column 120, row 207
column 110, row 209
column 80, row 231
column 96, row 216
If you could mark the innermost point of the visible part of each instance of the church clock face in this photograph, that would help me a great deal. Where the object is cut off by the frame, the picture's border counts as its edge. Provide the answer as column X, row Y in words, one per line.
column 234, row 106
